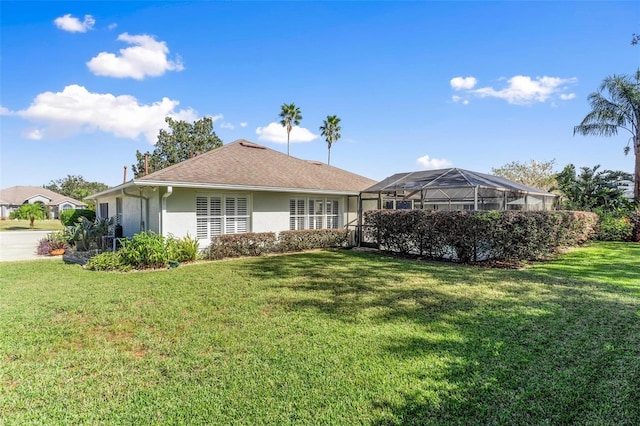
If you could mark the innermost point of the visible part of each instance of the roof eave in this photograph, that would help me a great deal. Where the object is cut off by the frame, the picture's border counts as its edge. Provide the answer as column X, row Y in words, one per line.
column 210, row 186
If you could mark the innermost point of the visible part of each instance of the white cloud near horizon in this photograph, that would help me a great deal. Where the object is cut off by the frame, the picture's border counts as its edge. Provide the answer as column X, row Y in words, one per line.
column 5, row 111
column 463, row 83
column 74, row 25
column 433, row 163
column 76, row 110
column 519, row 89
column 147, row 57
column 227, row 126
column 244, row 124
column 275, row 132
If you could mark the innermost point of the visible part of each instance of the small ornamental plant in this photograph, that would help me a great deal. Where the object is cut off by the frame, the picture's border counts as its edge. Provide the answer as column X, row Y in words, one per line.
column 51, row 243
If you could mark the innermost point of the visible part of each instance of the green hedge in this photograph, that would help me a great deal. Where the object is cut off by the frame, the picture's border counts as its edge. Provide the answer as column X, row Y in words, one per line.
column 311, row 239
column 236, row 245
column 257, row 244
column 72, row 217
column 472, row 236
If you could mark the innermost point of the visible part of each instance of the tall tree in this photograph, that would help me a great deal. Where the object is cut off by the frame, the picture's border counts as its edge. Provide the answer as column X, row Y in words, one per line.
column 182, row 141
column 616, row 105
column 593, row 189
column 290, row 116
column 539, row 174
column 75, row 186
column 330, row 129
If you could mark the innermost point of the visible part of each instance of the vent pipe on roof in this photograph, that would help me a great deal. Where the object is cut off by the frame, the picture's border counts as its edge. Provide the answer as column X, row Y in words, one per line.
column 124, row 177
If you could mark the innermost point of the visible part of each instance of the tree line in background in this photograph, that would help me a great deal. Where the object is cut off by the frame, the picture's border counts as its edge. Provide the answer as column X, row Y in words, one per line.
column 75, row 186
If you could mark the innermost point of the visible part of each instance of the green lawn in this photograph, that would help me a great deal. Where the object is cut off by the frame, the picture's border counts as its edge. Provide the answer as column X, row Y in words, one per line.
column 328, row 337
column 23, row 225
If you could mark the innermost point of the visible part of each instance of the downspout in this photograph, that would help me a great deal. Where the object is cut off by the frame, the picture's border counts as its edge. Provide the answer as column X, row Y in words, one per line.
column 164, row 209
column 359, row 227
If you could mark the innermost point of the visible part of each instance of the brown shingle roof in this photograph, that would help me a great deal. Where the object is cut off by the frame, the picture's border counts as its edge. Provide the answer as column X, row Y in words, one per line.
column 17, row 195
column 243, row 163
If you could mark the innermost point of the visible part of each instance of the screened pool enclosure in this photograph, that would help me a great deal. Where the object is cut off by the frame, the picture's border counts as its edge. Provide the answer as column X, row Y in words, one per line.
column 454, row 189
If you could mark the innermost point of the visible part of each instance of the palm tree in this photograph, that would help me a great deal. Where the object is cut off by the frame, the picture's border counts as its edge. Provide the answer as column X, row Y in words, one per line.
column 330, row 129
column 620, row 110
column 30, row 212
column 289, row 113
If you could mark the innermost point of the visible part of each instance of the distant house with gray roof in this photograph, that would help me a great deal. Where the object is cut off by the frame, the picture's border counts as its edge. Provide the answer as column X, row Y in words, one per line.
column 239, row 187
column 12, row 198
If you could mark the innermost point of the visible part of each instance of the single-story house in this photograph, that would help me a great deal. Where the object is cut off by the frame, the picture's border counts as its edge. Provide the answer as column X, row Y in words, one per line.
column 239, row 187
column 12, row 198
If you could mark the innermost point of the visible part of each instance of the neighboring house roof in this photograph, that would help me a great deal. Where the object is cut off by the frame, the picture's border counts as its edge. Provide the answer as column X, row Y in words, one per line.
column 245, row 165
column 449, row 178
column 18, row 195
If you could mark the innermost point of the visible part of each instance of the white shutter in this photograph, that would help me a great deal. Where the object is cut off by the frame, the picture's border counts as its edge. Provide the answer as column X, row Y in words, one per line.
column 201, row 218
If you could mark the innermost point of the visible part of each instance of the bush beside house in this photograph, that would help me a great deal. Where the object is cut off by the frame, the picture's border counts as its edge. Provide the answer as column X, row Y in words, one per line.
column 473, row 236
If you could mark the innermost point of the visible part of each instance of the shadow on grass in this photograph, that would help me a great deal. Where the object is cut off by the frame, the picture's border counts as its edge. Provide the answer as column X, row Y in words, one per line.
column 552, row 344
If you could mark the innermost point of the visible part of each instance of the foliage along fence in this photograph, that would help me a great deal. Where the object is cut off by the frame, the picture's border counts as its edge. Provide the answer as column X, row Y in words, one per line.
column 256, row 244
column 475, row 236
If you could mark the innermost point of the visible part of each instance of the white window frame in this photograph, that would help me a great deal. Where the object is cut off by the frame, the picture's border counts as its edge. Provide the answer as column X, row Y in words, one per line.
column 314, row 213
column 220, row 214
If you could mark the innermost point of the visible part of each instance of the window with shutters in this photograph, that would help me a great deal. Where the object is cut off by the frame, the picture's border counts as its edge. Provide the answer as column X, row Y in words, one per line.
column 212, row 219
column 311, row 213
column 332, row 214
column 236, row 215
column 297, row 216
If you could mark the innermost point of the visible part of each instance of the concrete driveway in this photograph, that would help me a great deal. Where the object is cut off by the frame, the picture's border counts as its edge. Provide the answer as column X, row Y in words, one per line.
column 21, row 245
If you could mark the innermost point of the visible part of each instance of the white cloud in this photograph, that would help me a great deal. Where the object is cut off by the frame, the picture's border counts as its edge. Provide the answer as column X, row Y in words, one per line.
column 33, row 134
column 5, row 111
column 522, row 89
column 76, row 110
column 459, row 99
column 147, row 57
column 275, row 132
column 216, row 117
column 463, row 83
column 244, row 124
column 228, row 126
column 433, row 163
column 112, row 26
column 74, row 25
column 567, row 96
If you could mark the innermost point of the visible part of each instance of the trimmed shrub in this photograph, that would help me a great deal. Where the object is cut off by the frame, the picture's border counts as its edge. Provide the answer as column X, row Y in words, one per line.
column 72, row 217
column 236, row 245
column 257, row 244
column 473, row 236
column 307, row 239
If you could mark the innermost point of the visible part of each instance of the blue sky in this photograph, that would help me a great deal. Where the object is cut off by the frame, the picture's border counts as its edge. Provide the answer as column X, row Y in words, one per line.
column 418, row 85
